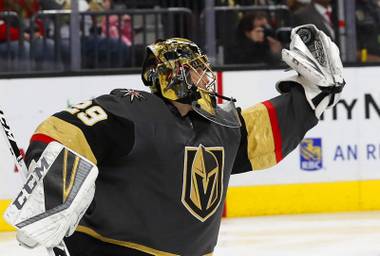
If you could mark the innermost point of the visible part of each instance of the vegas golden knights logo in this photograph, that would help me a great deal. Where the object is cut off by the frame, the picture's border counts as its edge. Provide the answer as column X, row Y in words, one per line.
column 202, row 189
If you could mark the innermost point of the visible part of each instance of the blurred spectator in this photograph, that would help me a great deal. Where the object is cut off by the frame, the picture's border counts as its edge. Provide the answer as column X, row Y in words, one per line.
column 368, row 30
column 61, row 22
column 295, row 5
column 117, row 27
column 33, row 40
column 52, row 4
column 254, row 42
column 319, row 13
column 12, row 37
column 108, row 45
column 25, row 8
column 255, row 2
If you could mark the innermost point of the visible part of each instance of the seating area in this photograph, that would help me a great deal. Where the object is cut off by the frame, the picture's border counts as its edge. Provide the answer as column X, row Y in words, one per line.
column 112, row 34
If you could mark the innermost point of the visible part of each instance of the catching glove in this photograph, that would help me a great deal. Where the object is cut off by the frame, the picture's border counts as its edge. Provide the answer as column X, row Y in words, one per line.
column 316, row 59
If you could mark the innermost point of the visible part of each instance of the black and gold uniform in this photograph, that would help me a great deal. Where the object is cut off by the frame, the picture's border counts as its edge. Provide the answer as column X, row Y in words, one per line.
column 163, row 177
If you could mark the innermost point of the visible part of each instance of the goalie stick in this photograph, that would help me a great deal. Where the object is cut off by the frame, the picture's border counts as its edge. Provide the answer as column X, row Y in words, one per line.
column 61, row 249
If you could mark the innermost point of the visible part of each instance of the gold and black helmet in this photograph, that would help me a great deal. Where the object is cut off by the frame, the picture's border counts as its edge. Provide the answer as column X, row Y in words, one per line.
column 167, row 67
column 177, row 70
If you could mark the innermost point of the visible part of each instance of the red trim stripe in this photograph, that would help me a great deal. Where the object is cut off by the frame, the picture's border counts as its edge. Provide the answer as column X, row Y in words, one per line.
column 275, row 129
column 219, row 84
column 41, row 138
column 341, row 23
column 225, row 209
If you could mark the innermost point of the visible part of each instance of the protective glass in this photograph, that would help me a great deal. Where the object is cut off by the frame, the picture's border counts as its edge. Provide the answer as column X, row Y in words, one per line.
column 223, row 114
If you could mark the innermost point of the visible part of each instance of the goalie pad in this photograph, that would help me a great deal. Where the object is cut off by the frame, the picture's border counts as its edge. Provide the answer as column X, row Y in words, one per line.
column 316, row 59
column 57, row 193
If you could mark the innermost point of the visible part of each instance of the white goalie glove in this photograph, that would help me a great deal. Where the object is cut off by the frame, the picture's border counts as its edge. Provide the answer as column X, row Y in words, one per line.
column 57, row 193
column 316, row 59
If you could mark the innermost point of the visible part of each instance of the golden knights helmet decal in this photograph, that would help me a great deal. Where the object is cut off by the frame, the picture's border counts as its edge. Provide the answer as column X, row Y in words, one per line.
column 202, row 189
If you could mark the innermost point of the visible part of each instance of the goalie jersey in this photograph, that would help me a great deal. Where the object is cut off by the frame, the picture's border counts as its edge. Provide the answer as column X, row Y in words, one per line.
column 163, row 177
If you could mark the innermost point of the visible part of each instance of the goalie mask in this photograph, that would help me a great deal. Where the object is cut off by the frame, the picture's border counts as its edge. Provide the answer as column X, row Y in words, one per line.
column 177, row 70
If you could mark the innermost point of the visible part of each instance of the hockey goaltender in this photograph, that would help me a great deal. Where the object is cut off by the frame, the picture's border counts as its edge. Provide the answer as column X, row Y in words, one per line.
column 138, row 173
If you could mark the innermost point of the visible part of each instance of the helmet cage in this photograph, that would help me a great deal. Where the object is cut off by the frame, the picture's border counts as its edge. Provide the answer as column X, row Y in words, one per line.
column 181, row 79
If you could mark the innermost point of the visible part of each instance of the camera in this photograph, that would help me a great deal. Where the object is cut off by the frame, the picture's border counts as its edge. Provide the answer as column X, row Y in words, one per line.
column 268, row 31
column 281, row 34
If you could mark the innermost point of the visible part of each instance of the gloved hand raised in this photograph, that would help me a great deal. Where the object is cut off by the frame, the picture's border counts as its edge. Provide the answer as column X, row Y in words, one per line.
column 316, row 59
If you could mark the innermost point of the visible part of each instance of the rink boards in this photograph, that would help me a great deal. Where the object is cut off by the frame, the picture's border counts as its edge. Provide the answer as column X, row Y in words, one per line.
column 335, row 169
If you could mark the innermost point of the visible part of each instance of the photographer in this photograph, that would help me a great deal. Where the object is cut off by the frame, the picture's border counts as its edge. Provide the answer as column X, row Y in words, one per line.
column 255, row 42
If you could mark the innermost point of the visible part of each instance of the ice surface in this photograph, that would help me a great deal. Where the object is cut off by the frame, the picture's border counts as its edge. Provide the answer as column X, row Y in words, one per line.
column 341, row 234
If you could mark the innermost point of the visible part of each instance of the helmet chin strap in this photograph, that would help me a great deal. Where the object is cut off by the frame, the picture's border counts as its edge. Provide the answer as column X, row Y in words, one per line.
column 218, row 95
column 193, row 95
column 223, row 97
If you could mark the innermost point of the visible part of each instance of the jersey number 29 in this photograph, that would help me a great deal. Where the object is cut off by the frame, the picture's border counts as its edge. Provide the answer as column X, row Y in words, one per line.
column 87, row 113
